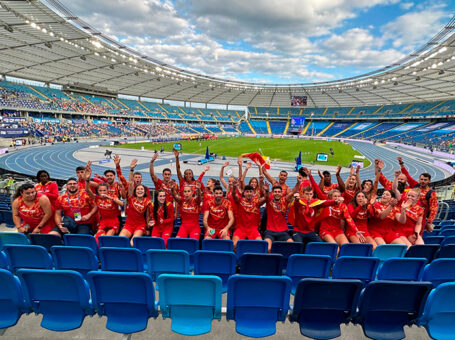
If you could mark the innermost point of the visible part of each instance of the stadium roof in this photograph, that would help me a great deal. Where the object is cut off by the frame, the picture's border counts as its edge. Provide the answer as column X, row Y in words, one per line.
column 44, row 41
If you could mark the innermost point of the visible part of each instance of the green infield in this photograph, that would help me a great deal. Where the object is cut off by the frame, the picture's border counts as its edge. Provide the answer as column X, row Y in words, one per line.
column 277, row 149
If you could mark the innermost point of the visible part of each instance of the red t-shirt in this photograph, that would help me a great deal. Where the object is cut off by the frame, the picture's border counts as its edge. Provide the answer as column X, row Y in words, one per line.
column 248, row 213
column 330, row 187
column 276, row 214
column 160, row 185
column 135, row 211
column 79, row 202
column 333, row 215
column 165, row 222
column 189, row 212
column 304, row 216
column 388, row 223
column 412, row 216
column 33, row 215
column 50, row 189
column 218, row 214
column 107, row 208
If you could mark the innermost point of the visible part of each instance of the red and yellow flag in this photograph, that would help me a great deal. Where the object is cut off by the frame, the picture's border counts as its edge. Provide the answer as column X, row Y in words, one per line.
column 257, row 157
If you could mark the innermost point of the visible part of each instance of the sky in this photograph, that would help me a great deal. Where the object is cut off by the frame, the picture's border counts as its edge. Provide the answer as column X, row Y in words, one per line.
column 270, row 41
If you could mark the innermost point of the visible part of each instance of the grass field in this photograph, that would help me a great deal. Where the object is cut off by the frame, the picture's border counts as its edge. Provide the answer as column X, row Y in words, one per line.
column 277, row 149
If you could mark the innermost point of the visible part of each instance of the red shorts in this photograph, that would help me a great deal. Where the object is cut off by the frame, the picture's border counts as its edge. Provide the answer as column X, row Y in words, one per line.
column 330, row 230
column 350, row 232
column 191, row 231
column 387, row 235
column 216, row 234
column 247, row 234
column 134, row 228
column 108, row 223
column 163, row 232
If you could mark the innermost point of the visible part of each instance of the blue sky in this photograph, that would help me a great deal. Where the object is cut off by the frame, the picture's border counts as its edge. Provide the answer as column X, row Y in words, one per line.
column 270, row 41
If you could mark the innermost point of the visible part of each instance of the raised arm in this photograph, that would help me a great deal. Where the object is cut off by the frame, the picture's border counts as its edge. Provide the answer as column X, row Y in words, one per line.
column 341, row 184
column 222, row 181
column 401, row 217
column 412, row 182
column 240, row 162
column 87, row 175
column 175, row 194
column 321, row 195
column 132, row 167
column 242, row 179
column 357, row 177
column 272, row 180
column 152, row 168
column 177, row 165
column 262, row 191
column 395, row 186
column 118, row 169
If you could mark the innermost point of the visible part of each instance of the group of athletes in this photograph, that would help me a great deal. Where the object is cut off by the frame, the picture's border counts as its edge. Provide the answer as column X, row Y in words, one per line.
column 341, row 212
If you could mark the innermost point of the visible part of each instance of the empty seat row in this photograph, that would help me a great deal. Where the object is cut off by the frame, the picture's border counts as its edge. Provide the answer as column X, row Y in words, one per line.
column 255, row 303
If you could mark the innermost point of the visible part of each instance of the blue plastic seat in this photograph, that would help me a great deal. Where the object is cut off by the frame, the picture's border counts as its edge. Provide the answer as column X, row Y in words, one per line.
column 439, row 312
column 448, row 240
column 61, row 296
column 387, row 251
column 219, row 263
column 433, row 239
column 440, row 271
column 126, row 299
column 356, row 249
column 426, row 234
column 114, row 241
column 250, row 246
column 146, row 243
column 80, row 259
column 321, row 305
column 447, row 232
column 446, row 252
column 27, row 256
column 81, row 240
column 3, row 262
column 427, row 251
column 355, row 267
column 402, row 269
column 217, row 245
column 322, row 248
column 167, row 262
column 121, row 259
column 12, row 303
column 256, row 303
column 12, row 238
column 192, row 302
column 286, row 249
column 261, row 264
column 189, row 245
column 302, row 266
column 385, row 307
column 447, row 222
column 45, row 240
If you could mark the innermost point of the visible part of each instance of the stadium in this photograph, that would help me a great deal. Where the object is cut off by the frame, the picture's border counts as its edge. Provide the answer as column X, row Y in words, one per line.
column 80, row 103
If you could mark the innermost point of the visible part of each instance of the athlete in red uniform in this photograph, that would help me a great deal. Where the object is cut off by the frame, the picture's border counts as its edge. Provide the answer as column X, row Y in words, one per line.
column 32, row 212
column 253, row 182
column 382, row 226
column 134, row 177
column 283, row 176
column 333, row 220
column 188, row 176
column 163, row 214
column 218, row 216
column 326, row 184
column 352, row 185
column 137, row 212
column 209, row 193
column 46, row 187
column 166, row 183
column 360, row 210
column 78, row 206
column 189, row 209
column 387, row 184
column 410, row 225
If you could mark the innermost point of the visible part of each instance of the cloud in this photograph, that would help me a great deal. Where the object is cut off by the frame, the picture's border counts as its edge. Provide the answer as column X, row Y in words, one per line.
column 406, row 5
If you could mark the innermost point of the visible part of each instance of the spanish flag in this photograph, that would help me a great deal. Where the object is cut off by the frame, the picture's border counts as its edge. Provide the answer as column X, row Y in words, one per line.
column 256, row 157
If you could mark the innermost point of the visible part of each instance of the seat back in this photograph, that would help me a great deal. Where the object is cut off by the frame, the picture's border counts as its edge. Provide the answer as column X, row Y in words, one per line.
column 192, row 302
column 80, row 259
column 439, row 312
column 427, row 251
column 12, row 303
column 127, row 310
column 355, row 267
column 3, row 262
column 433, row 239
column 356, row 249
column 114, row 241
column 321, row 305
column 386, row 251
column 301, row 266
column 261, row 264
column 250, row 246
column 448, row 240
column 146, row 243
column 219, row 263
column 121, row 259
column 62, row 296
column 400, row 304
column 167, row 262
column 286, row 248
column 402, row 269
column 217, row 245
column 447, row 232
column 256, row 303
column 27, row 256
column 79, row 240
column 189, row 245
column 446, row 252
column 12, row 238
column 46, row 240
column 322, row 248
column 439, row 271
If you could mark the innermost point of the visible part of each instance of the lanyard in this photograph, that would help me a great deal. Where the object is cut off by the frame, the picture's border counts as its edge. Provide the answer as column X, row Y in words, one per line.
column 78, row 200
